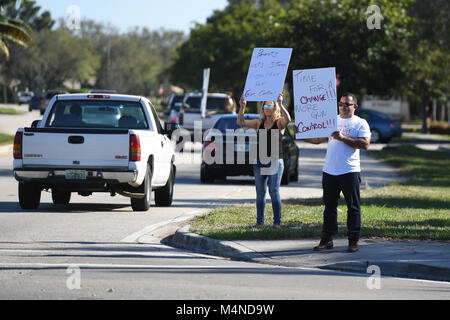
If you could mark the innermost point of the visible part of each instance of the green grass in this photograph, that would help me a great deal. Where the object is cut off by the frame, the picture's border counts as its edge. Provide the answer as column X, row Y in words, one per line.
column 6, row 139
column 11, row 111
column 416, row 209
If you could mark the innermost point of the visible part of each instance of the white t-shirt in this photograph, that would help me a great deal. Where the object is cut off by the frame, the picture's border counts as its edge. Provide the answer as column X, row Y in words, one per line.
column 341, row 158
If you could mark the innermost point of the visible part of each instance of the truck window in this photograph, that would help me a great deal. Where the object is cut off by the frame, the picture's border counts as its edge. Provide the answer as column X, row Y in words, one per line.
column 212, row 103
column 155, row 116
column 97, row 114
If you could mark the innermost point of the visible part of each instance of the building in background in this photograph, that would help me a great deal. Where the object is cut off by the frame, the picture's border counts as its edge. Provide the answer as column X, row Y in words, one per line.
column 395, row 107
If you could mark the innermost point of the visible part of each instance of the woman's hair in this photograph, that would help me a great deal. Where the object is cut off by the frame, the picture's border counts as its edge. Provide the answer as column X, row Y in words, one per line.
column 276, row 111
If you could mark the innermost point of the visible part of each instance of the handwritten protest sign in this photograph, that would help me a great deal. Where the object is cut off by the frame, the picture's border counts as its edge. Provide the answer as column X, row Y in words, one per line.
column 315, row 102
column 266, row 74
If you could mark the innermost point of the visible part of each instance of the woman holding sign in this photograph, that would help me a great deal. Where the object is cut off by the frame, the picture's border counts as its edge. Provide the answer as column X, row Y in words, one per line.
column 274, row 120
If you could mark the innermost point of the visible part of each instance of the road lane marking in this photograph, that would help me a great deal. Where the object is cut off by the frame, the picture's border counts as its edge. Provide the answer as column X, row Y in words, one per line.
column 132, row 238
column 38, row 265
column 254, row 267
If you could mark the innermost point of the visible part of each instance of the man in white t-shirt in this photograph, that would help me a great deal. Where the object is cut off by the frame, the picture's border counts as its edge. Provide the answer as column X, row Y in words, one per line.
column 341, row 172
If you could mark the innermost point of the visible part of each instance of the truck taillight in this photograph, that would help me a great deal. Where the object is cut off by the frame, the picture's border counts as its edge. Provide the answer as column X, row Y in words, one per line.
column 98, row 96
column 17, row 149
column 135, row 148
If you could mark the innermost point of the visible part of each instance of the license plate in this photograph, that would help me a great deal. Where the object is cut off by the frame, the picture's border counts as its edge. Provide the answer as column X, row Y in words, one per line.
column 241, row 147
column 75, row 175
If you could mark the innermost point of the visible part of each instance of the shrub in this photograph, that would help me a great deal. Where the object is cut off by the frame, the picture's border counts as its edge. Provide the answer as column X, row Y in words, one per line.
column 440, row 128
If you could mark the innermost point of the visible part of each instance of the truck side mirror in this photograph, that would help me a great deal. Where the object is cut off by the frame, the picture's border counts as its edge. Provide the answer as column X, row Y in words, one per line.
column 35, row 123
column 169, row 128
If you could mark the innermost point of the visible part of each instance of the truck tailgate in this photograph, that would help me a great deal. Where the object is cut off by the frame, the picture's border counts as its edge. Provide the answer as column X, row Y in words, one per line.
column 76, row 148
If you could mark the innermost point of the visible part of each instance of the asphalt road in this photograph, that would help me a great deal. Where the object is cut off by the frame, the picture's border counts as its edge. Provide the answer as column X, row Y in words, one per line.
column 98, row 248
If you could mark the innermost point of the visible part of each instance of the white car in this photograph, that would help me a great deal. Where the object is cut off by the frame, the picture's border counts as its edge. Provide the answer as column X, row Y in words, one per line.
column 25, row 97
column 89, row 143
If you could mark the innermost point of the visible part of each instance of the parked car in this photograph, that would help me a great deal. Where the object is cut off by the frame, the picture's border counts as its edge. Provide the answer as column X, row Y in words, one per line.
column 209, row 172
column 89, row 143
column 48, row 96
column 172, row 113
column 383, row 127
column 35, row 102
column 25, row 97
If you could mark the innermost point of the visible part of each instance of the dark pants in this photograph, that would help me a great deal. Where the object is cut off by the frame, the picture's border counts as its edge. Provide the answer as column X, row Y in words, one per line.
column 332, row 187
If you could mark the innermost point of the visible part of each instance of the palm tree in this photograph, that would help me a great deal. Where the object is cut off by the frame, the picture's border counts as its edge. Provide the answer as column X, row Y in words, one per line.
column 15, row 31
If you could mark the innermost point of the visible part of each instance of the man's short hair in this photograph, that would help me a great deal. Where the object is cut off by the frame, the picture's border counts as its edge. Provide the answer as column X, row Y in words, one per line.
column 351, row 95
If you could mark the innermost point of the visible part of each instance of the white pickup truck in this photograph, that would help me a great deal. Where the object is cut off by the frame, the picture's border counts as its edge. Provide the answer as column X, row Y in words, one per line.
column 89, row 143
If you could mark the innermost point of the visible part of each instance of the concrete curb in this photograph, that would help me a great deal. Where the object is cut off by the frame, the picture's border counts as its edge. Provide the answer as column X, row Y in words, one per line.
column 395, row 269
column 185, row 239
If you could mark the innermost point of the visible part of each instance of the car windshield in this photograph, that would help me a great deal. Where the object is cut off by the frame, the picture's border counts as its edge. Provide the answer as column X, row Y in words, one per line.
column 97, row 114
column 229, row 123
column 212, row 103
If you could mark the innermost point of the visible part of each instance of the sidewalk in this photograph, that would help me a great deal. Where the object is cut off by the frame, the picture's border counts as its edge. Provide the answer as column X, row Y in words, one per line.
column 428, row 260
column 408, row 259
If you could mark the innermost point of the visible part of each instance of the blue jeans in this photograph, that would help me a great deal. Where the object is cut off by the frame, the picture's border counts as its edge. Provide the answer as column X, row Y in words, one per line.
column 273, row 182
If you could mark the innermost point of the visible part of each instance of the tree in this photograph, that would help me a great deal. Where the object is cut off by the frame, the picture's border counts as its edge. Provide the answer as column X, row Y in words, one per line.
column 62, row 56
column 322, row 33
column 29, row 13
column 225, row 44
column 12, row 29
column 134, row 62
column 427, row 57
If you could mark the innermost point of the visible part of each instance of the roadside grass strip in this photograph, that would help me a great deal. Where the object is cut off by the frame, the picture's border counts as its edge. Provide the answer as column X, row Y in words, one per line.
column 416, row 209
column 6, row 139
column 11, row 111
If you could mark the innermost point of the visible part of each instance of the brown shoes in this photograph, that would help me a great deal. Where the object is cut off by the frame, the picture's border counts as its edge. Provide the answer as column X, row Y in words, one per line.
column 326, row 243
column 353, row 244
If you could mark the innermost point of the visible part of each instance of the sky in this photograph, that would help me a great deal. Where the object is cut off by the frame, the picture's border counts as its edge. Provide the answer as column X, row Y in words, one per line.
column 126, row 14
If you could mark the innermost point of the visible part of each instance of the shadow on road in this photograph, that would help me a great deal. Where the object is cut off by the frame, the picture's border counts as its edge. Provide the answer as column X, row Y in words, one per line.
column 6, row 207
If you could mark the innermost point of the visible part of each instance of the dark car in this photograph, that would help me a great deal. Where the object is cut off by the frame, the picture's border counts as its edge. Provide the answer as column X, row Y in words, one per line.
column 242, row 146
column 382, row 126
column 35, row 102
column 48, row 96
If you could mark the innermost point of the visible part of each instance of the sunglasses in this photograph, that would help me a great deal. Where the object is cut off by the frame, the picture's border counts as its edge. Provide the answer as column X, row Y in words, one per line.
column 345, row 104
column 267, row 106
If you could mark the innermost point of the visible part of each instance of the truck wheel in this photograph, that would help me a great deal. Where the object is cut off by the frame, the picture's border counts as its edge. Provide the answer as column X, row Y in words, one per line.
column 143, row 204
column 164, row 196
column 61, row 197
column 29, row 195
